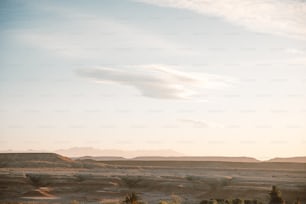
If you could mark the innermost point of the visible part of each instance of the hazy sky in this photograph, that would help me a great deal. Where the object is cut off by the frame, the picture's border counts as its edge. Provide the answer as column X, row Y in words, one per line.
column 204, row 77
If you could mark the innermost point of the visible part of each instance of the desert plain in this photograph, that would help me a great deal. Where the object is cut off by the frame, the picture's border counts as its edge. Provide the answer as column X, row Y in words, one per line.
column 52, row 178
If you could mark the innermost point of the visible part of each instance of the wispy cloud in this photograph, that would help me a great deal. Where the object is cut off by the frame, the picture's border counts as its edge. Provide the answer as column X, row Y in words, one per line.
column 158, row 81
column 297, row 56
column 200, row 123
column 286, row 18
column 294, row 51
column 90, row 36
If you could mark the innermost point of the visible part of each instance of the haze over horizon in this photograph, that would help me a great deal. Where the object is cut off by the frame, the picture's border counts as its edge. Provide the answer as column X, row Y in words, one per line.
column 204, row 78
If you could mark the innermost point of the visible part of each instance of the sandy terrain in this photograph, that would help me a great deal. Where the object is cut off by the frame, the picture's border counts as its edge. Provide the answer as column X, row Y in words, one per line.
column 110, row 181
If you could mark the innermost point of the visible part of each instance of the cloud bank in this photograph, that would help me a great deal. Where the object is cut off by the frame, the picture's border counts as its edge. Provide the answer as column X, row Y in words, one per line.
column 158, row 81
column 281, row 17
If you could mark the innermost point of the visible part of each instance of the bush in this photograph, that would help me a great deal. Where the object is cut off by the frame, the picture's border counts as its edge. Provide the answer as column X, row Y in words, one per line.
column 175, row 199
column 238, row 201
column 211, row 201
column 131, row 198
column 37, row 180
column 276, row 196
column 163, row 202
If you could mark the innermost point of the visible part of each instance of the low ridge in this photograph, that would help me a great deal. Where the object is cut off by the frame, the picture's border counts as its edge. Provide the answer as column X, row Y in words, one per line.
column 30, row 160
column 289, row 159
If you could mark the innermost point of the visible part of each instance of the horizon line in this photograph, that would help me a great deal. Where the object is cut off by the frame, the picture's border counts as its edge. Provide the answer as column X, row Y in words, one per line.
column 147, row 156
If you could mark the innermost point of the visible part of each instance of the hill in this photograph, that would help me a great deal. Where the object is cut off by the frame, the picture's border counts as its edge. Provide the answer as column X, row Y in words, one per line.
column 36, row 160
column 110, row 158
column 155, row 158
column 89, row 151
column 221, row 159
column 289, row 159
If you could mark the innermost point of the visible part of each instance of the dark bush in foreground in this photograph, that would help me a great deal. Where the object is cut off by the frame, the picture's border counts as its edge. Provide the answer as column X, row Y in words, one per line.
column 37, row 180
column 276, row 196
column 132, row 198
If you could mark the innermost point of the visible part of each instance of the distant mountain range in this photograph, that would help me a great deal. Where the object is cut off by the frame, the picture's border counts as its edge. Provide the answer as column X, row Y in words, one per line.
column 189, row 158
column 181, row 158
column 88, row 153
column 53, row 160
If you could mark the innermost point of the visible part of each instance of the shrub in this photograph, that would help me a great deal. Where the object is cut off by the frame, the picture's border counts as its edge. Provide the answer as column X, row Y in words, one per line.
column 211, row 201
column 163, row 202
column 276, row 196
column 175, row 199
column 37, row 180
column 131, row 198
column 74, row 202
column 238, row 201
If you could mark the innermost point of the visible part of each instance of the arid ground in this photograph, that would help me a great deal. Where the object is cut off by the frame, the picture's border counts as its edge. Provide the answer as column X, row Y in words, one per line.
column 56, row 179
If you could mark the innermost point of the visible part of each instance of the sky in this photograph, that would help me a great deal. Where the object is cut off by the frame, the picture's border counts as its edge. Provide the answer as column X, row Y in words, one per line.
column 200, row 77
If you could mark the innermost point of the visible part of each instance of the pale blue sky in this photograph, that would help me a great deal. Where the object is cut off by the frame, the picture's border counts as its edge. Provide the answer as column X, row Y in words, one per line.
column 198, row 77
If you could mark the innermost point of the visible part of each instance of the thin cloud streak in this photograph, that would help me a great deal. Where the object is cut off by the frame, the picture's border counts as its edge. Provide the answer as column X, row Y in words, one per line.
column 285, row 18
column 200, row 123
column 158, row 81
